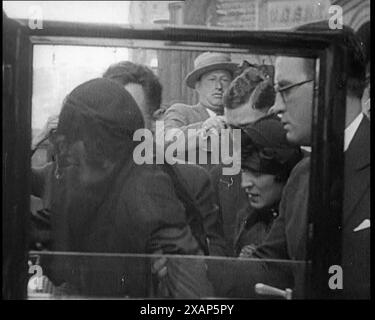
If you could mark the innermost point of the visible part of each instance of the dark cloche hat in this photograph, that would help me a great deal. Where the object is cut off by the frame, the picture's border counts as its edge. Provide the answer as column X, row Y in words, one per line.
column 264, row 147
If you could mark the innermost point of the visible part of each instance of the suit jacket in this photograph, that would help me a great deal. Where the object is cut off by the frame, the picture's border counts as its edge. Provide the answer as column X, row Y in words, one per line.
column 356, row 244
column 252, row 227
column 197, row 182
column 184, row 117
column 135, row 212
column 287, row 237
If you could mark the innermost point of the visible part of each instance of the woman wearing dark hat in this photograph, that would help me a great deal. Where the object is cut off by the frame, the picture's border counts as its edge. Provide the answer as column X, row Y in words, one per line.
column 108, row 203
column 266, row 162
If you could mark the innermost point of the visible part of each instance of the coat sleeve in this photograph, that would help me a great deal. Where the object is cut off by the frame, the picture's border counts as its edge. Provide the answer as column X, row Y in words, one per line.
column 177, row 117
column 199, row 184
column 176, row 123
column 168, row 231
column 274, row 247
column 161, row 215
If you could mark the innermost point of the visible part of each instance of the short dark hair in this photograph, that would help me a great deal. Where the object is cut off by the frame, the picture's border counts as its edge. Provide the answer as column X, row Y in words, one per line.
column 356, row 66
column 242, row 87
column 126, row 72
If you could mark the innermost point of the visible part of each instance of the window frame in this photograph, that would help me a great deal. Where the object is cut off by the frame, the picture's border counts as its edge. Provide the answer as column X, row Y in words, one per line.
column 327, row 159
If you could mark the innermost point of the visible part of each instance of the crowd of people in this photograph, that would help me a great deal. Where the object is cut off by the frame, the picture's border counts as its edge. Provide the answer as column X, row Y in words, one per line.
column 101, row 201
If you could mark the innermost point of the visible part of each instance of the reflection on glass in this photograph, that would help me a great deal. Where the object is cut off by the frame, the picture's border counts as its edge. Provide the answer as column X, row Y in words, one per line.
column 127, row 276
column 57, row 69
column 79, row 274
column 73, row 11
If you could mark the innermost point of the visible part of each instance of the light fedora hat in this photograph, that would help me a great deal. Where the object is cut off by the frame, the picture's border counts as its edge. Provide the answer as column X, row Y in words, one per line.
column 209, row 61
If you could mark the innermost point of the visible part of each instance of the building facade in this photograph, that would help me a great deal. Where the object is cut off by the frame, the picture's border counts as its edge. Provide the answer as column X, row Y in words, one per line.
column 238, row 14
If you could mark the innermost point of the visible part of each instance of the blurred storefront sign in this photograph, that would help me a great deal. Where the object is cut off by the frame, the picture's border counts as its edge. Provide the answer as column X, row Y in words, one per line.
column 256, row 14
column 286, row 14
column 237, row 14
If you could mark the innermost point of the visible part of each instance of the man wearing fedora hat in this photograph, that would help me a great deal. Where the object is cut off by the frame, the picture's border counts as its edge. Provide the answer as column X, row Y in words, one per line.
column 212, row 74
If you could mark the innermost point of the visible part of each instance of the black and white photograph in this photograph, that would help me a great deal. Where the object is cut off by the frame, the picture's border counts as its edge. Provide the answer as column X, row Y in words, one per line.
column 200, row 150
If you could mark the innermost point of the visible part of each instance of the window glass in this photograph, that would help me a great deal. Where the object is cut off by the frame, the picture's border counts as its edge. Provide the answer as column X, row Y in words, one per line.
column 128, row 276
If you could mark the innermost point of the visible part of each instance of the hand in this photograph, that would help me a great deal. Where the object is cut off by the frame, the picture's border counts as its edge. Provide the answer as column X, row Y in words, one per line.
column 49, row 127
column 159, row 266
column 247, row 251
column 366, row 108
column 214, row 124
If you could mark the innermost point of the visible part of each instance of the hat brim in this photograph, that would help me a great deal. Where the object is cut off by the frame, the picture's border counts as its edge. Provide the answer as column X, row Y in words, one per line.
column 193, row 76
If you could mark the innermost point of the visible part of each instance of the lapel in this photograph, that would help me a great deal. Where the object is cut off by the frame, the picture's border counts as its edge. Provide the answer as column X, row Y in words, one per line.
column 202, row 111
column 357, row 160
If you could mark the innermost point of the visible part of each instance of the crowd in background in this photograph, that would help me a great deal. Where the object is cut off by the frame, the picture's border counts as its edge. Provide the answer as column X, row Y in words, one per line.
column 97, row 199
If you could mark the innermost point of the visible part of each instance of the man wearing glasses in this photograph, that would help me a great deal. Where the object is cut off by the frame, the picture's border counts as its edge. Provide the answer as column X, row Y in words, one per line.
column 294, row 103
column 292, row 91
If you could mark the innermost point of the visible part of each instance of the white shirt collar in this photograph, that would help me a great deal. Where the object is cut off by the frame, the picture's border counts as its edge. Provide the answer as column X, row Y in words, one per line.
column 211, row 113
column 351, row 130
column 306, row 148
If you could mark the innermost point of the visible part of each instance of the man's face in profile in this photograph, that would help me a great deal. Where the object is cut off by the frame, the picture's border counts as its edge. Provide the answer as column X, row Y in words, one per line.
column 294, row 98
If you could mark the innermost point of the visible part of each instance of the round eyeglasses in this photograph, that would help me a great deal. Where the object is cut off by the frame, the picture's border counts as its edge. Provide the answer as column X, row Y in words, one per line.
column 284, row 89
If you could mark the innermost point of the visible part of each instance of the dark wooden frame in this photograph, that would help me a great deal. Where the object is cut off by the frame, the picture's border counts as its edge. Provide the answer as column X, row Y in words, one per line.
column 325, row 209
column 17, row 60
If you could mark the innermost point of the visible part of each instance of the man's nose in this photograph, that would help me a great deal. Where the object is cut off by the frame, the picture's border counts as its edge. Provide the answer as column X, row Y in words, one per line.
column 218, row 85
column 279, row 106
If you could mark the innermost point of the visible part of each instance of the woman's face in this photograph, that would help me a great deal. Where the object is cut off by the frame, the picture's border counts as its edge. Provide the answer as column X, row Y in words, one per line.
column 261, row 188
